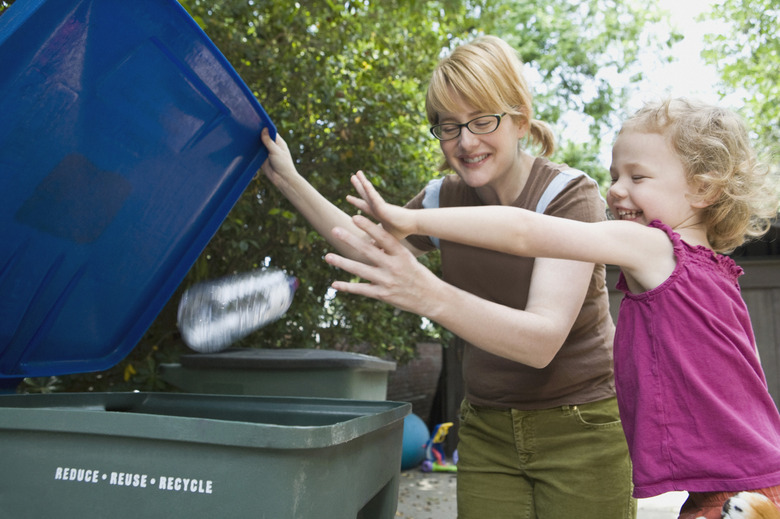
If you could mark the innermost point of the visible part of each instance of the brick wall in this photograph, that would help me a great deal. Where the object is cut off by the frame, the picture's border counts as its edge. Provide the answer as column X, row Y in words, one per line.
column 416, row 381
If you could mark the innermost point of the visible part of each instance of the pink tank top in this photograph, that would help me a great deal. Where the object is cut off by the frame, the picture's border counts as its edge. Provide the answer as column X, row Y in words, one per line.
column 693, row 398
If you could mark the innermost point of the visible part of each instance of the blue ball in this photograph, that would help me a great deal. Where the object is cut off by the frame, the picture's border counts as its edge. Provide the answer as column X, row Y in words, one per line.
column 415, row 435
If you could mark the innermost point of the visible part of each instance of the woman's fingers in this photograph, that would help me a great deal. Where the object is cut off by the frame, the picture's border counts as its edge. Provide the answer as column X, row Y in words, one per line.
column 382, row 238
column 392, row 272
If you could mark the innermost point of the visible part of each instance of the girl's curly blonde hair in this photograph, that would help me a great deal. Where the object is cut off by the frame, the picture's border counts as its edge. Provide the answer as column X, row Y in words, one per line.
column 721, row 165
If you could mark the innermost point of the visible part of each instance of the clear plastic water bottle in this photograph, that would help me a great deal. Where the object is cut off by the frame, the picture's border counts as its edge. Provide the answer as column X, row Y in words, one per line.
column 215, row 314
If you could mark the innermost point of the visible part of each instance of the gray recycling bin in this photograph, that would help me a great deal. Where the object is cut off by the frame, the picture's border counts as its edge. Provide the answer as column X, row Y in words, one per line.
column 131, row 455
column 286, row 372
column 126, row 139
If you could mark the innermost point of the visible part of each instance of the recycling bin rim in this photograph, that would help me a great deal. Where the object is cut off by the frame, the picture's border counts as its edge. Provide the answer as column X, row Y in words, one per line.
column 201, row 418
column 285, row 359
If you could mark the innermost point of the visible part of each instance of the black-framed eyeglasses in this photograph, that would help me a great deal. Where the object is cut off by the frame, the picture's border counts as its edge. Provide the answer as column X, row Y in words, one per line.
column 478, row 126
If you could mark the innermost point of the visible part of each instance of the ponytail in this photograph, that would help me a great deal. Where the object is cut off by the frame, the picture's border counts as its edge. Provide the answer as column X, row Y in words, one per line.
column 542, row 135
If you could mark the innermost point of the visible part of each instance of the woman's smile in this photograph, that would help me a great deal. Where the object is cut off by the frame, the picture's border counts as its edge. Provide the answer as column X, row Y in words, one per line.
column 474, row 159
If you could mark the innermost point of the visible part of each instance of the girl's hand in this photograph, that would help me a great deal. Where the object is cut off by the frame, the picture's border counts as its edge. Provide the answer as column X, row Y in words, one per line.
column 396, row 220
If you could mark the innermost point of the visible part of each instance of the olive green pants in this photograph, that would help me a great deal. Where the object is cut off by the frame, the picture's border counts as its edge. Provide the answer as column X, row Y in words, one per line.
column 559, row 463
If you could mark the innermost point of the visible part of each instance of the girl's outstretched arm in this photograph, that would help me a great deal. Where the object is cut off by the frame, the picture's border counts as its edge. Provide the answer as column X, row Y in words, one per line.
column 644, row 253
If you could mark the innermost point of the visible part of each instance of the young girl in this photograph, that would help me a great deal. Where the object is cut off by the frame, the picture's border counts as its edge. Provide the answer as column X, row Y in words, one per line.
column 693, row 398
column 539, row 431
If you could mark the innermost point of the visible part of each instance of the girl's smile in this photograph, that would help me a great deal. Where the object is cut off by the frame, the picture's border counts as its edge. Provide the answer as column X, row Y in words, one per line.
column 626, row 214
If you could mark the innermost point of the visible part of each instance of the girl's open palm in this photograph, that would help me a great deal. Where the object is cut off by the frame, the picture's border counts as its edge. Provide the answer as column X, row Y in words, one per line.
column 396, row 220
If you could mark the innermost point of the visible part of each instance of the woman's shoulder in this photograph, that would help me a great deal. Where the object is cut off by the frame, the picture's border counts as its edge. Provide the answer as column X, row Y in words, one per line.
column 453, row 191
column 558, row 190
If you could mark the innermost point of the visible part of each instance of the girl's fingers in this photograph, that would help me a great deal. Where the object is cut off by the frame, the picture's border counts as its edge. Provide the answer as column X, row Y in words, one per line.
column 364, row 248
column 360, row 204
column 382, row 239
column 367, row 190
column 357, row 183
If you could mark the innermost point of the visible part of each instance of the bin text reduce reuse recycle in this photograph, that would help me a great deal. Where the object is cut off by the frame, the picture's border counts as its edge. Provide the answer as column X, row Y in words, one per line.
column 126, row 479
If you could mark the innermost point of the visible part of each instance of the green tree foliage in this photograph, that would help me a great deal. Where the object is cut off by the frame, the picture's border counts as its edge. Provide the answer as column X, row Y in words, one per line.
column 747, row 57
column 344, row 82
column 586, row 53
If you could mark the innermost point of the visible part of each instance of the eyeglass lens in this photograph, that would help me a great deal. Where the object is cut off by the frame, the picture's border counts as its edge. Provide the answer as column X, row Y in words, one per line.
column 480, row 125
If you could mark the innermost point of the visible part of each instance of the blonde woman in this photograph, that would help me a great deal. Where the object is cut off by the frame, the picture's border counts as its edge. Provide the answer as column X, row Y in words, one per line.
column 540, row 434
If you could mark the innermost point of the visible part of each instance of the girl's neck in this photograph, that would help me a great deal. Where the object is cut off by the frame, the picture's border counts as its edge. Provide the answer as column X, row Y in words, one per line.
column 693, row 234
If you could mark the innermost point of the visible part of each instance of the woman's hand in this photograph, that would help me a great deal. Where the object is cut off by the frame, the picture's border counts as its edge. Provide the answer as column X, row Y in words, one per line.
column 393, row 273
column 279, row 166
column 396, row 220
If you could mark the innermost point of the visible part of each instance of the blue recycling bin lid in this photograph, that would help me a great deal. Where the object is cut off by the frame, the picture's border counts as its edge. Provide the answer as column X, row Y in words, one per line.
column 126, row 138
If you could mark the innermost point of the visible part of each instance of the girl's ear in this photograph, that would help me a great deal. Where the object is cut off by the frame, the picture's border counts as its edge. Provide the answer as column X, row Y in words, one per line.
column 704, row 197
column 701, row 203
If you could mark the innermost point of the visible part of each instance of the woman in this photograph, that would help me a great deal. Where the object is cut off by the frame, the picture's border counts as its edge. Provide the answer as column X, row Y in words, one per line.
column 540, row 434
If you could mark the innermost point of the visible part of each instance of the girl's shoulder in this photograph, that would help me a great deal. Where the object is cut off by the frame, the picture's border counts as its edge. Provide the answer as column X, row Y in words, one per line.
column 698, row 256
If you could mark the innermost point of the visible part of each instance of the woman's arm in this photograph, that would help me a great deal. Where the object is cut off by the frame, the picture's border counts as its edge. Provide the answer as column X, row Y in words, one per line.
column 532, row 336
column 318, row 211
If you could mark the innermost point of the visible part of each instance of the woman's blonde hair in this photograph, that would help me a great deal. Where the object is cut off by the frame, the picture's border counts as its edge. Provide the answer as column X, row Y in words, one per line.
column 721, row 165
column 488, row 74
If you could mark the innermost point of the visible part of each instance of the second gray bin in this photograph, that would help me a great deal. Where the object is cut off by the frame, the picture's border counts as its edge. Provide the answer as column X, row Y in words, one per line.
column 282, row 372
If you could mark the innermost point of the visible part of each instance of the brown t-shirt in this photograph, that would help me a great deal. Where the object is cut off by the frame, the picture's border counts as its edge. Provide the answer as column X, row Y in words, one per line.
column 581, row 372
